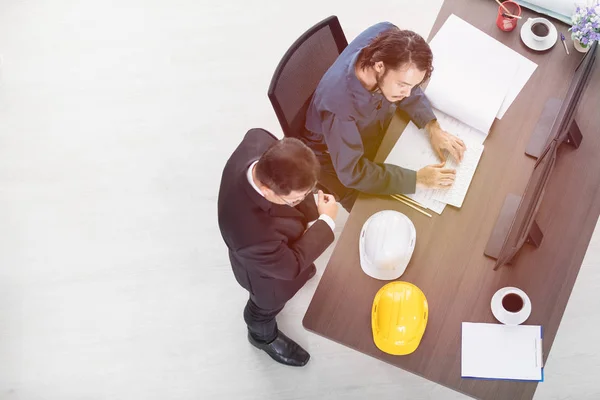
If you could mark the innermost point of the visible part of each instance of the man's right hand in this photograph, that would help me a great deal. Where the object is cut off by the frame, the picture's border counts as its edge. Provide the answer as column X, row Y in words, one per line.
column 436, row 176
column 327, row 205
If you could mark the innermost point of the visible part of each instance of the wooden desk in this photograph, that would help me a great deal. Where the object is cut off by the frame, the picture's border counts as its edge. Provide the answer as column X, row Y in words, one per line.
column 448, row 263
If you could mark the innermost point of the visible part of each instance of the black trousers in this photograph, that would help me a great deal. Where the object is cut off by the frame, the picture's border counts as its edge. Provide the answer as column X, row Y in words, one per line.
column 261, row 322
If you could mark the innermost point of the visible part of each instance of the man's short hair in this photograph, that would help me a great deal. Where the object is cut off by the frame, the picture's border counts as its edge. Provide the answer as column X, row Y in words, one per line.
column 395, row 48
column 288, row 165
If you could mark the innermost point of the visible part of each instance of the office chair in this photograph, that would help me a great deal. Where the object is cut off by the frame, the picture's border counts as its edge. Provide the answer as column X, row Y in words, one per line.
column 296, row 77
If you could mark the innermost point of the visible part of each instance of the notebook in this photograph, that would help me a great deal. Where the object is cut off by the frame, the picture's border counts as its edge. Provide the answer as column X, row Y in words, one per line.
column 413, row 150
column 495, row 351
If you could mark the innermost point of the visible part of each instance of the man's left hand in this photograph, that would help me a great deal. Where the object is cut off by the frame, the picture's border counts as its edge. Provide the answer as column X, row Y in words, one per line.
column 443, row 141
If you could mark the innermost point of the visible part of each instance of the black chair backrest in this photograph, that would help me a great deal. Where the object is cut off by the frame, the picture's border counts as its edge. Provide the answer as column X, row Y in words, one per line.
column 300, row 70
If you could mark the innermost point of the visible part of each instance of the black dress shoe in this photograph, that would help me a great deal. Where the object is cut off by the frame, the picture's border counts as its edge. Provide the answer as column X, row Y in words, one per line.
column 283, row 350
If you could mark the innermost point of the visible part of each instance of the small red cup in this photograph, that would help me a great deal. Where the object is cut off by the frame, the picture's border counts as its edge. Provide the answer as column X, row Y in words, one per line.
column 507, row 23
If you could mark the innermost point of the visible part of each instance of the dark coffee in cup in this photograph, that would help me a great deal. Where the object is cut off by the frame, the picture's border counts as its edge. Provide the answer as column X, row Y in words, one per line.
column 540, row 29
column 512, row 302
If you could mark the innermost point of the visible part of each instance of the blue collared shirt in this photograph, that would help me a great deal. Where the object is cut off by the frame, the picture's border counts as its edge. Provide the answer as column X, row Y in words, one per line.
column 343, row 116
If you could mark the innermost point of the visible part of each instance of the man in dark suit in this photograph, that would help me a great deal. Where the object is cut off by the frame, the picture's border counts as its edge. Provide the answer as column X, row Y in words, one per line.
column 274, row 231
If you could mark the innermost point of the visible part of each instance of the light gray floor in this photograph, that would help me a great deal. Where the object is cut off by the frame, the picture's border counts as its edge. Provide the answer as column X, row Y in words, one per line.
column 115, row 120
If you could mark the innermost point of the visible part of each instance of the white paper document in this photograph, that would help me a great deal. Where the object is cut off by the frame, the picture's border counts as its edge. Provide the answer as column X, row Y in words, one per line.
column 413, row 151
column 455, row 194
column 496, row 351
column 525, row 68
column 476, row 78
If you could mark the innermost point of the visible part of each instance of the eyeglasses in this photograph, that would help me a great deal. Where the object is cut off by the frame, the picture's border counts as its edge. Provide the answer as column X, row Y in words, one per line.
column 300, row 200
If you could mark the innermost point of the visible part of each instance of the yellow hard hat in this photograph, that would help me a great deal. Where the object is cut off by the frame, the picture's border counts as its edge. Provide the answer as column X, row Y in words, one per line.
column 399, row 318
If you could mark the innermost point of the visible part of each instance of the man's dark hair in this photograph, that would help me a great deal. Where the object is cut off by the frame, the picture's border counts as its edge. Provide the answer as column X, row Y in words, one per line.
column 288, row 165
column 395, row 48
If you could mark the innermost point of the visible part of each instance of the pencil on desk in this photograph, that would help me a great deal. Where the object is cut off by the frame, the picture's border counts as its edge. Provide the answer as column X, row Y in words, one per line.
column 400, row 199
column 411, row 201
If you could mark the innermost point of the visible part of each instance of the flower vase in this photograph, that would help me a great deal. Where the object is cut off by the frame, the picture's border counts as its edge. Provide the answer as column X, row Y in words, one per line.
column 580, row 47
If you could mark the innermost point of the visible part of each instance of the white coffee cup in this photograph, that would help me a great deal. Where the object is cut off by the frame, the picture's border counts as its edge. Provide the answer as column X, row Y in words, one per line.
column 540, row 28
column 511, row 306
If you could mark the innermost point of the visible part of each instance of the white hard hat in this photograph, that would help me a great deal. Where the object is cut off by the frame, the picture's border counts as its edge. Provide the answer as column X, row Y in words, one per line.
column 387, row 241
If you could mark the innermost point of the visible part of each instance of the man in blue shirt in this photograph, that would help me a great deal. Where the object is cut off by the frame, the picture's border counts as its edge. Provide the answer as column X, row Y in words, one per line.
column 345, row 123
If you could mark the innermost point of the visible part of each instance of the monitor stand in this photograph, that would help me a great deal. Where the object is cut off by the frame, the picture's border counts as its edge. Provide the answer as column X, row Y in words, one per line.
column 503, row 225
column 539, row 138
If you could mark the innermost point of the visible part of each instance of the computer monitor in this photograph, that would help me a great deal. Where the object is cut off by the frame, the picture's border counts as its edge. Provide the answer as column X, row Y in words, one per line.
column 569, row 132
column 558, row 117
column 516, row 223
column 517, row 217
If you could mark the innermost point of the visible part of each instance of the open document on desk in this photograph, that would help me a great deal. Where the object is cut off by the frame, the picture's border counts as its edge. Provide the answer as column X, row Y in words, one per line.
column 475, row 80
column 495, row 351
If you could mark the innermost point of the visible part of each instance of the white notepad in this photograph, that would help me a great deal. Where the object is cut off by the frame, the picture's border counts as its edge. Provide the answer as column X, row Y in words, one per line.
column 413, row 151
column 495, row 351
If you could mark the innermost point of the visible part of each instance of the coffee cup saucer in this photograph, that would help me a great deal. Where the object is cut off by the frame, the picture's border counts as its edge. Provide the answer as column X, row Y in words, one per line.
column 506, row 317
column 536, row 45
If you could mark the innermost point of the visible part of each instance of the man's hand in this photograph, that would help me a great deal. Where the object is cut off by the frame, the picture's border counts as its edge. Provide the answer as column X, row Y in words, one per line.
column 443, row 141
column 435, row 176
column 327, row 205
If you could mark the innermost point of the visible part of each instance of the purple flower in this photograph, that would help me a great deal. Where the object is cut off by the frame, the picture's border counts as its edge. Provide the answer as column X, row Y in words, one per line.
column 586, row 26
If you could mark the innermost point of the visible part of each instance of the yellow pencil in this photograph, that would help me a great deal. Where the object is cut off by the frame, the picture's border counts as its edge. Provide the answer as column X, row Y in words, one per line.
column 410, row 200
column 400, row 199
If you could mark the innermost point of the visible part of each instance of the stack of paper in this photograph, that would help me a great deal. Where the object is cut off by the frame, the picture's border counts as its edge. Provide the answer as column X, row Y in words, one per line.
column 475, row 80
column 495, row 351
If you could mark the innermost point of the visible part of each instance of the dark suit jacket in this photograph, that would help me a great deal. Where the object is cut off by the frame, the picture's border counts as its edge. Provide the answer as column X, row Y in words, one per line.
column 270, row 252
